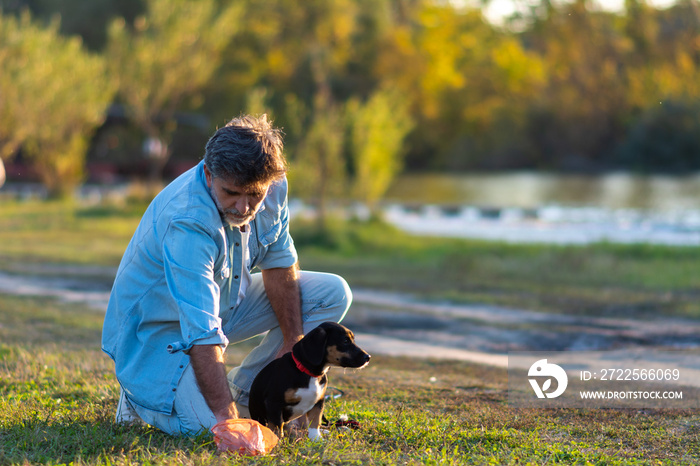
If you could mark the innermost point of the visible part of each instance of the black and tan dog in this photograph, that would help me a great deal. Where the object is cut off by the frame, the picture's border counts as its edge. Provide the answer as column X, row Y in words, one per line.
column 295, row 384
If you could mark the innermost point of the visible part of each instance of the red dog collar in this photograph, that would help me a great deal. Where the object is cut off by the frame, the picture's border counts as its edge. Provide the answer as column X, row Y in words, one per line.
column 303, row 368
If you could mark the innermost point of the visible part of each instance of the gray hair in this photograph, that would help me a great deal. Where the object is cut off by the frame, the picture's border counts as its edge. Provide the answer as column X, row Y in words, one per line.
column 247, row 151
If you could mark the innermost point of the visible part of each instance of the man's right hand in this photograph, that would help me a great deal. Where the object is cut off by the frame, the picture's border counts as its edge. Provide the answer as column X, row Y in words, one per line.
column 229, row 413
column 244, row 436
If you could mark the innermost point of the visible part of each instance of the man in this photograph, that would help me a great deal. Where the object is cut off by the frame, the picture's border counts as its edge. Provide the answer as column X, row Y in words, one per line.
column 184, row 290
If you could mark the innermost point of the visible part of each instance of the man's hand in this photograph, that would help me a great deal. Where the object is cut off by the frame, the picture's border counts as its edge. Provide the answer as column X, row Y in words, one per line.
column 244, row 436
column 282, row 288
column 287, row 347
column 210, row 372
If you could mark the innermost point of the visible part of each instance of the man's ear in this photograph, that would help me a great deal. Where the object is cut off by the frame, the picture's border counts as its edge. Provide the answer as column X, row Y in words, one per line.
column 312, row 348
column 207, row 175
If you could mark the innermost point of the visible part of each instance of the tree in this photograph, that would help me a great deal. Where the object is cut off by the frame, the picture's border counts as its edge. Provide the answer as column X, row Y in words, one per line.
column 164, row 61
column 378, row 128
column 53, row 94
column 318, row 169
column 580, row 118
column 466, row 81
column 301, row 51
column 85, row 18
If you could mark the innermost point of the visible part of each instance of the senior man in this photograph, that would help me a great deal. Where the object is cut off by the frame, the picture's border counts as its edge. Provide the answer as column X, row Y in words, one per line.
column 184, row 289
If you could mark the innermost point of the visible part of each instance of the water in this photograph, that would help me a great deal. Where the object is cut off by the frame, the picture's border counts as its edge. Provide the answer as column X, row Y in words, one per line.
column 549, row 208
column 533, row 190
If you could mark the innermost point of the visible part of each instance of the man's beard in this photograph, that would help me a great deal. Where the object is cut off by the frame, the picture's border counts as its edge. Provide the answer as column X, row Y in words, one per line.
column 232, row 217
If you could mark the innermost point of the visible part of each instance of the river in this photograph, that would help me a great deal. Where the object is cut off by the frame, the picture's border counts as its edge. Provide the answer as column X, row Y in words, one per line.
column 535, row 189
column 549, row 208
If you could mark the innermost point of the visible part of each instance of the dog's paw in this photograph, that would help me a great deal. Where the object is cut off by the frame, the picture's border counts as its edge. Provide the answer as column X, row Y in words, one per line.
column 317, row 434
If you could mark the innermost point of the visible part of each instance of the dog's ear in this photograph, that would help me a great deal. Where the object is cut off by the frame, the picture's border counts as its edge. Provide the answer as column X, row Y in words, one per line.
column 312, row 348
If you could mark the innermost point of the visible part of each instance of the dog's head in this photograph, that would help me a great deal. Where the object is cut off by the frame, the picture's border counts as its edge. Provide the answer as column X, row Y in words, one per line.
column 331, row 344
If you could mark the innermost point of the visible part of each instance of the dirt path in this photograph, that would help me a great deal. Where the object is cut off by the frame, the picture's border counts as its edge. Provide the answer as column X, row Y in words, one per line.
column 396, row 324
column 493, row 329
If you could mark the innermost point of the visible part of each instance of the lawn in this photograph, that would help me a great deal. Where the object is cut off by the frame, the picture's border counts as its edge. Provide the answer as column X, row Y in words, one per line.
column 58, row 392
column 58, row 395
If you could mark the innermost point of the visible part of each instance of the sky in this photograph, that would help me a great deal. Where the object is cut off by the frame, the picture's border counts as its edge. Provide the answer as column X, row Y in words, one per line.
column 499, row 9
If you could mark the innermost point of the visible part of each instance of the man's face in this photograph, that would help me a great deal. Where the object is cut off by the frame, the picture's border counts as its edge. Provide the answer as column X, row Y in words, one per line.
column 237, row 204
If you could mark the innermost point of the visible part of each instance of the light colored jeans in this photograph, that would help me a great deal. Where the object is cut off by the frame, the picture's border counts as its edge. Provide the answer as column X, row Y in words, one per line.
column 324, row 297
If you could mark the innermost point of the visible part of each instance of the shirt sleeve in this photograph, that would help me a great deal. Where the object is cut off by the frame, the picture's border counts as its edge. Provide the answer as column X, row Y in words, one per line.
column 280, row 251
column 189, row 256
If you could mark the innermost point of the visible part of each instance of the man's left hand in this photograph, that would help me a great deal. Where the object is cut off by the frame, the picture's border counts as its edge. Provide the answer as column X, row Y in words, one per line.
column 287, row 347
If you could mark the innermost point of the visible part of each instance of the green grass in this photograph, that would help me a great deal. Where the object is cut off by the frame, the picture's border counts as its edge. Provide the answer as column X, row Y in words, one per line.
column 601, row 279
column 58, row 395
column 58, row 392
column 64, row 232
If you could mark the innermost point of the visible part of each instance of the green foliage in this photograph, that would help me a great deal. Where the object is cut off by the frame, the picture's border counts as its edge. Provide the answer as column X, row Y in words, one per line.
column 318, row 170
column 87, row 19
column 165, row 59
column 582, row 110
column 561, row 93
column 666, row 138
column 371, row 133
column 52, row 96
column 377, row 131
column 568, row 87
column 466, row 81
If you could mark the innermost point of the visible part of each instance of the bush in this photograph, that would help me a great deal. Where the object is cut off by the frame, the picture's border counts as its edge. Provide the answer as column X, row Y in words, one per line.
column 53, row 94
column 665, row 139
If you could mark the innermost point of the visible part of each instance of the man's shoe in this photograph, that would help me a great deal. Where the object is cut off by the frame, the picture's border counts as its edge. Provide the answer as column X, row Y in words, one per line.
column 125, row 413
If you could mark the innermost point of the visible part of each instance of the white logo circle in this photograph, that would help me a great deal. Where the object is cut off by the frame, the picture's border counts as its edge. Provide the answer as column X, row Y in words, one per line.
column 543, row 369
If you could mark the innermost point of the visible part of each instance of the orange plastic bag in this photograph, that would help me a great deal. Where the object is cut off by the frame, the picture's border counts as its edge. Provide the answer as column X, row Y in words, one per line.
column 244, row 436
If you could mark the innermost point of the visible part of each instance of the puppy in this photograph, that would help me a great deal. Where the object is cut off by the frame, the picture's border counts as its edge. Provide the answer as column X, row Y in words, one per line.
column 295, row 384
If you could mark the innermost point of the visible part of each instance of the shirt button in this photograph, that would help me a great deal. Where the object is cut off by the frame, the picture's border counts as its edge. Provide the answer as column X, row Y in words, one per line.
column 174, row 389
column 236, row 277
column 237, row 244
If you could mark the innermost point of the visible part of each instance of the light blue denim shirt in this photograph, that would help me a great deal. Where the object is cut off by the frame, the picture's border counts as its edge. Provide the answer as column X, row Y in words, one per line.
column 177, row 284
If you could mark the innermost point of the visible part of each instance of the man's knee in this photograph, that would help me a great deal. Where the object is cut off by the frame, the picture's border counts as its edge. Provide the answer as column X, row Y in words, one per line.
column 340, row 292
column 330, row 292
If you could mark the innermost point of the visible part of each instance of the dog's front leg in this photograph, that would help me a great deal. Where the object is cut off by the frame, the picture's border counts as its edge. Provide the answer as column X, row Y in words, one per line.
column 275, row 419
column 314, row 417
column 278, row 431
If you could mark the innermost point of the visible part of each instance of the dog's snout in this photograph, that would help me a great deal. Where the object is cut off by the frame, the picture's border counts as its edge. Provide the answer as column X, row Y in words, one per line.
column 363, row 359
